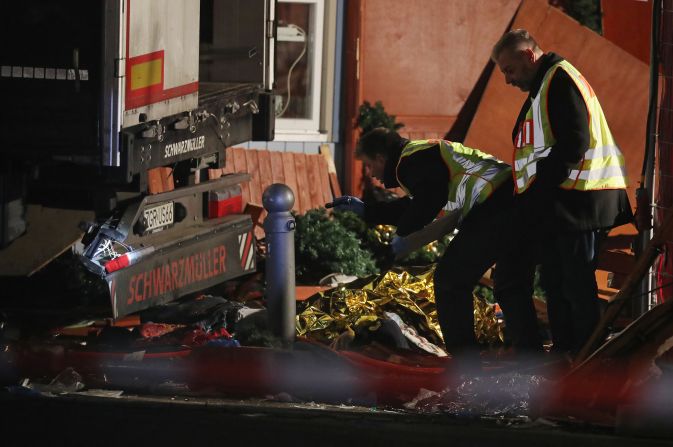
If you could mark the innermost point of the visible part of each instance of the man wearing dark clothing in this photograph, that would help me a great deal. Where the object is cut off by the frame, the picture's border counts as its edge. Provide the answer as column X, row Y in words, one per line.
column 570, row 182
column 435, row 174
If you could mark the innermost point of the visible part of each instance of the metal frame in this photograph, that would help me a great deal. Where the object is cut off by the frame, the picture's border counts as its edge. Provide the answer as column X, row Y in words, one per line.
column 114, row 35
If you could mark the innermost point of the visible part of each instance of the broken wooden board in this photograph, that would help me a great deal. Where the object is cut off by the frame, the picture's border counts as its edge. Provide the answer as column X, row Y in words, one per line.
column 629, row 290
column 50, row 232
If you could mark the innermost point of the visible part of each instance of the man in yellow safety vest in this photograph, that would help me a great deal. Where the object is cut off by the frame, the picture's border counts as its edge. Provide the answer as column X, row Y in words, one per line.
column 569, row 178
column 439, row 174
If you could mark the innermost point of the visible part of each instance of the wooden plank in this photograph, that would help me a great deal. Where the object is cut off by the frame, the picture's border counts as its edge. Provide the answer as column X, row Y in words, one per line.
column 628, row 290
column 331, row 168
column 50, row 232
column 160, row 180
column 324, row 180
column 215, row 173
column 291, row 177
column 265, row 174
column 313, row 174
column 240, row 165
column 229, row 161
column 253, row 168
column 302, row 182
column 277, row 172
column 334, row 183
column 228, row 167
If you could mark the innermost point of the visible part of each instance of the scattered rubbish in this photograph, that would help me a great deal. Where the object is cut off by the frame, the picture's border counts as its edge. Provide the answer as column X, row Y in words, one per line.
column 68, row 381
column 336, row 280
column 502, row 395
column 413, row 336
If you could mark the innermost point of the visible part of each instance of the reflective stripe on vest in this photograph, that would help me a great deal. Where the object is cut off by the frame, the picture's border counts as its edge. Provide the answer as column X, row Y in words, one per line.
column 473, row 174
column 602, row 166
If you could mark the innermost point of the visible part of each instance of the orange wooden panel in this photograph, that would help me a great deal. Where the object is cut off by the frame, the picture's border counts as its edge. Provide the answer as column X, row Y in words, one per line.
column 423, row 71
column 302, row 182
column 423, row 58
column 304, row 292
column 323, row 173
column 215, row 173
column 315, row 185
column 426, row 124
column 265, row 174
column 240, row 165
column 291, row 177
column 253, row 169
column 605, row 292
column 277, row 172
column 160, row 180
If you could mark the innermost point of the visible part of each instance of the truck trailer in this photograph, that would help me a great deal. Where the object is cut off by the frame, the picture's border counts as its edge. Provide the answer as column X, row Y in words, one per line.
column 99, row 96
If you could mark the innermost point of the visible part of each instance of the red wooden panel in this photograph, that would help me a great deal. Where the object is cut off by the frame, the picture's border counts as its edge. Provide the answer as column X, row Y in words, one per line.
column 334, row 183
column 315, row 186
column 302, row 182
column 291, row 177
column 265, row 175
column 335, row 188
column 353, row 60
column 253, row 168
column 240, row 165
column 277, row 172
column 323, row 172
column 628, row 23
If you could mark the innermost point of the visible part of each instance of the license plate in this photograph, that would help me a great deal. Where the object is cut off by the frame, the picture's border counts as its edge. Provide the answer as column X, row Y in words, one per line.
column 159, row 216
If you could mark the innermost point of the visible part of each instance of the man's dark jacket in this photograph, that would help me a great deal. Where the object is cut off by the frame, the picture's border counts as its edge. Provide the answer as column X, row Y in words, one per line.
column 544, row 202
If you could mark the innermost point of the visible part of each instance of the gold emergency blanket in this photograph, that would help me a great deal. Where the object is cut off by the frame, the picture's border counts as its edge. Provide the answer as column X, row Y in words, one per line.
column 407, row 292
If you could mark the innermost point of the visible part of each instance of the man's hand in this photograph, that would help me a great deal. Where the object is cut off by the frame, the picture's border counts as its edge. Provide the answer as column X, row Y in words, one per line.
column 348, row 203
column 398, row 245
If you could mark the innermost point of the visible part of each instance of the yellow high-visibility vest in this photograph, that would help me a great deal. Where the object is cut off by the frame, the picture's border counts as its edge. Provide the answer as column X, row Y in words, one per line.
column 473, row 174
column 601, row 167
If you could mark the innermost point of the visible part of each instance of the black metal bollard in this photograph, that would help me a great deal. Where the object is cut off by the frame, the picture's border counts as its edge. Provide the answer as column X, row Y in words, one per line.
column 279, row 225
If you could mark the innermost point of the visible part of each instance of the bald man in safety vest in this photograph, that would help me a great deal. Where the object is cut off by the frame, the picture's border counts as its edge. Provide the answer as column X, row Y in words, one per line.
column 439, row 174
column 569, row 179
